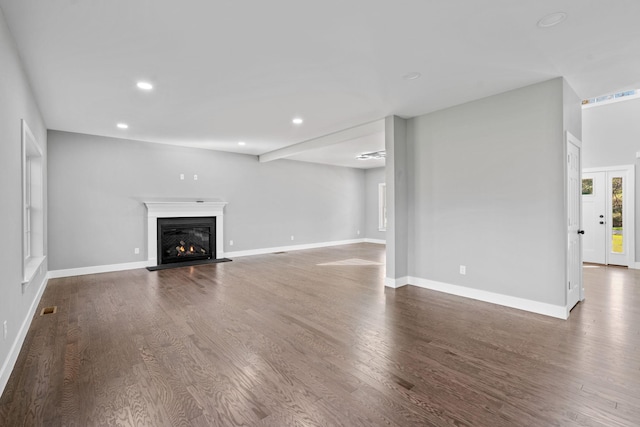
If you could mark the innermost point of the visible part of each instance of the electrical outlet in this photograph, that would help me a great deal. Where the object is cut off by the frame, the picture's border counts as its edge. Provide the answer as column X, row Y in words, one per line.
column 230, row 242
column 292, row 237
column 136, row 251
column 463, row 269
column 182, row 176
column 195, row 177
column 5, row 330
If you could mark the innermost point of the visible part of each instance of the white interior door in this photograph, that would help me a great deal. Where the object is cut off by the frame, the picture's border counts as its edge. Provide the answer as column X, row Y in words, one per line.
column 574, row 208
column 608, row 213
column 594, row 217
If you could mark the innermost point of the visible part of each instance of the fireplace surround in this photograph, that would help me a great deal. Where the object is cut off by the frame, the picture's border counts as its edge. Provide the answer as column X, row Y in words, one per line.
column 186, row 239
column 180, row 209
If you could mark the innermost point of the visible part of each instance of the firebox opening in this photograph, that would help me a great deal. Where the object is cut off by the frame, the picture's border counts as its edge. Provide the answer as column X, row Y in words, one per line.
column 186, row 239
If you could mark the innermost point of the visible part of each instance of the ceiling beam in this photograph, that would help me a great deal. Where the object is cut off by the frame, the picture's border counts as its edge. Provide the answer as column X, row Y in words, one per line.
column 324, row 141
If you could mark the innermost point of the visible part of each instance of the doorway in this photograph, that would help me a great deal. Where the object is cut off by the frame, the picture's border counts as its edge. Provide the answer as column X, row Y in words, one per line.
column 608, row 215
column 575, row 291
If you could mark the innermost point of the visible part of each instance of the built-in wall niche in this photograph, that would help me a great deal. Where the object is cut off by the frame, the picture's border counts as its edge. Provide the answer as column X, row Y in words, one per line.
column 32, row 205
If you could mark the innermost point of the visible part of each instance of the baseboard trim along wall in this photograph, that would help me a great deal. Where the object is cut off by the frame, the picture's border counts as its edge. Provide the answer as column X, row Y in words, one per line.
column 396, row 283
column 560, row 312
column 263, row 251
column 70, row 272
column 12, row 357
column 378, row 241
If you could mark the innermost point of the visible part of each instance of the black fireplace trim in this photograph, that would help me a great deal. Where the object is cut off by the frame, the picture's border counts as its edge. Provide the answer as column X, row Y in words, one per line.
column 187, row 264
column 177, row 222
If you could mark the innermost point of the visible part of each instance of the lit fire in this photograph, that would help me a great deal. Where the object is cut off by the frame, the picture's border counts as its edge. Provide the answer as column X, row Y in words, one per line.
column 182, row 249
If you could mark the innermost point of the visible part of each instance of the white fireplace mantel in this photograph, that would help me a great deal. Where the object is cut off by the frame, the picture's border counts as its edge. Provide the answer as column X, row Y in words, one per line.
column 182, row 208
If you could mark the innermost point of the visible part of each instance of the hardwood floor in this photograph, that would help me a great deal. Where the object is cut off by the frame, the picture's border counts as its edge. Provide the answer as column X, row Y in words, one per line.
column 278, row 340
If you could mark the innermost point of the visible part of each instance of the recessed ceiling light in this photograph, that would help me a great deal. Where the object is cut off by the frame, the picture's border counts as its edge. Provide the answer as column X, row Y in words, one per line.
column 552, row 19
column 297, row 121
column 144, row 85
column 412, row 76
column 123, row 125
column 242, row 143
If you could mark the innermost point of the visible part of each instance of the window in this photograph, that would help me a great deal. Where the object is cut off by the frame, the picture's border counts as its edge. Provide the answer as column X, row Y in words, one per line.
column 617, row 235
column 382, row 207
column 612, row 97
column 587, row 186
column 32, row 204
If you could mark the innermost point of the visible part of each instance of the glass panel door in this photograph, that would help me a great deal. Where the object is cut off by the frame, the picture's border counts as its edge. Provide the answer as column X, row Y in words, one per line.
column 617, row 226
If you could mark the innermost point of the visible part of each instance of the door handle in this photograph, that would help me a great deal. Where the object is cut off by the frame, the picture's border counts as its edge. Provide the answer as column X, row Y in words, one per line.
column 580, row 231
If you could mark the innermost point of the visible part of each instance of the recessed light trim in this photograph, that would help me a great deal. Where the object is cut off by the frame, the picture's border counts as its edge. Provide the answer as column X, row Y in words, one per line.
column 552, row 19
column 297, row 121
column 412, row 76
column 123, row 126
column 144, row 85
column 242, row 143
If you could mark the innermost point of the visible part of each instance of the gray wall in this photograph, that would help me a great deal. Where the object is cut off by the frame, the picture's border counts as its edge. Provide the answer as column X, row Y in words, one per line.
column 17, row 102
column 97, row 185
column 611, row 134
column 486, row 190
column 373, row 177
column 612, row 138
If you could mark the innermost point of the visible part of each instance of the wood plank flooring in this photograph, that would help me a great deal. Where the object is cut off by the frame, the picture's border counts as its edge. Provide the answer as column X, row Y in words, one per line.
column 278, row 340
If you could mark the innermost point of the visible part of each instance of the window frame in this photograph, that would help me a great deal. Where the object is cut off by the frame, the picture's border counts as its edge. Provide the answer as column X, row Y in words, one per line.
column 32, row 205
column 382, row 206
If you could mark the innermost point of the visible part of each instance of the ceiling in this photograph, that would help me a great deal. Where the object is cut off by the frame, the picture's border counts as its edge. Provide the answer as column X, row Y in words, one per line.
column 226, row 71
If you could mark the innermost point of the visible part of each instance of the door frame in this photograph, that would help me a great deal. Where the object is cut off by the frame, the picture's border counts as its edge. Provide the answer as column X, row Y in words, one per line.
column 628, row 208
column 571, row 139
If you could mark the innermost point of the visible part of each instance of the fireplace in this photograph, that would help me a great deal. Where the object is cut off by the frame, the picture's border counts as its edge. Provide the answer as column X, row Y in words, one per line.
column 209, row 211
column 186, row 239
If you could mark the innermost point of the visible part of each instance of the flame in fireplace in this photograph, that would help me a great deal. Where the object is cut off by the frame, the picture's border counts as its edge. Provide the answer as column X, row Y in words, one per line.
column 182, row 249
column 186, row 249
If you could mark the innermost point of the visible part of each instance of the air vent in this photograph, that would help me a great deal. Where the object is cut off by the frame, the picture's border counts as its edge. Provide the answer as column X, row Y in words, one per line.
column 49, row 310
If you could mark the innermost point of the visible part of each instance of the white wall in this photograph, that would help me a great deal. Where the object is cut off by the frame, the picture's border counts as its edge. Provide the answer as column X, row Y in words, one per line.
column 611, row 137
column 97, row 185
column 397, row 178
column 17, row 102
column 486, row 190
column 373, row 177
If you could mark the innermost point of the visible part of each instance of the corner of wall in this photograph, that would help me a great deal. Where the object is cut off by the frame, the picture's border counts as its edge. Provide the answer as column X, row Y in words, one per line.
column 7, row 365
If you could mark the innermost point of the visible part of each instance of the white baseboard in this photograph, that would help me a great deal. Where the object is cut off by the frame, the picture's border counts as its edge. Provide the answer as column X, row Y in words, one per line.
column 560, row 312
column 70, row 272
column 12, row 357
column 396, row 283
column 378, row 241
column 263, row 251
column 635, row 265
